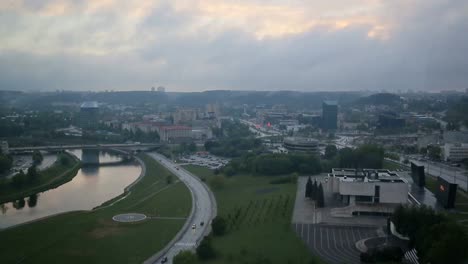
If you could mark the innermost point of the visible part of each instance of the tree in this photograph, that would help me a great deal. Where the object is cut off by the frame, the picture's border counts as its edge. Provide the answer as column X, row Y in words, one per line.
column 308, row 190
column 192, row 147
column 185, row 257
column 169, row 179
column 32, row 174
column 320, row 197
column 219, row 226
column 330, row 151
column 217, row 182
column 434, row 152
column 314, row 192
column 37, row 157
column 19, row 179
column 205, row 250
column 5, row 163
column 228, row 171
column 32, row 200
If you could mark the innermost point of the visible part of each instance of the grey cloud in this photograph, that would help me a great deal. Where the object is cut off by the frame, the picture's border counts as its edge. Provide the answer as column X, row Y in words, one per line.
column 425, row 52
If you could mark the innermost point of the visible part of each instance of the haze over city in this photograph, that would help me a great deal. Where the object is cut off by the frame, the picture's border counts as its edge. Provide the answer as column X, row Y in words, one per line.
column 92, row 45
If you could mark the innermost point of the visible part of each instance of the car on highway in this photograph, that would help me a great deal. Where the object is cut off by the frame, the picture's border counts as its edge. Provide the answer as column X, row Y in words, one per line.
column 164, row 260
column 194, row 226
column 202, row 223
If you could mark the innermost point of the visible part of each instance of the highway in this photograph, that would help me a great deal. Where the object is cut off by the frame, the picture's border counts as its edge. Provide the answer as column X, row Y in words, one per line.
column 203, row 210
column 83, row 146
column 451, row 174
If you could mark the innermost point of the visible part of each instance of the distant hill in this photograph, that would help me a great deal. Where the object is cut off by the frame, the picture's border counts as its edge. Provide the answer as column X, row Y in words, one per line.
column 292, row 99
column 379, row 99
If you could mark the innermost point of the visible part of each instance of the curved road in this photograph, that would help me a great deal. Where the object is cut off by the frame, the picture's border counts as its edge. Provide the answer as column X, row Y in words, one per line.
column 203, row 210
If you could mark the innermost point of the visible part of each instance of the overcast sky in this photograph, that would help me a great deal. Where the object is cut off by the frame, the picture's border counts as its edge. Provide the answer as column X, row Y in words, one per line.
column 196, row 45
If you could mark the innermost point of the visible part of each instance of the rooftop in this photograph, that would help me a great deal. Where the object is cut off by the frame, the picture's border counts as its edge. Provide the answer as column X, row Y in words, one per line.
column 365, row 175
column 90, row 104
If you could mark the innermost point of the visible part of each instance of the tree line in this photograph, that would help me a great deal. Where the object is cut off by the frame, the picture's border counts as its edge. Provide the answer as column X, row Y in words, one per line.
column 365, row 156
column 437, row 238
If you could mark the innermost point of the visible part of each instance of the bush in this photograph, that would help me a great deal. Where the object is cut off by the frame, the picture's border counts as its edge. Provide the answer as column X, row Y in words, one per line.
column 185, row 257
column 205, row 250
column 219, row 226
column 217, row 182
column 169, row 179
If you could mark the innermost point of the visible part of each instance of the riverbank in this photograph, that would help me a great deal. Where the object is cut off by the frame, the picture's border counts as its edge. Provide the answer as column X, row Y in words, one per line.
column 62, row 171
column 258, row 216
column 93, row 237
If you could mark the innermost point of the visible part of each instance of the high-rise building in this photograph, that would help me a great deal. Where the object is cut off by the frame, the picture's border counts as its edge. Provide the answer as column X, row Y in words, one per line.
column 329, row 115
column 89, row 115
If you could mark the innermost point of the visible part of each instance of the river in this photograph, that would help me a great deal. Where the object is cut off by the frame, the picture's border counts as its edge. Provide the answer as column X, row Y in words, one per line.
column 89, row 188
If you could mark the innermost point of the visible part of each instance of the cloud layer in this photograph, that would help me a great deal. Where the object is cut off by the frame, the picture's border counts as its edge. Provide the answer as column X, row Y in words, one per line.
column 193, row 45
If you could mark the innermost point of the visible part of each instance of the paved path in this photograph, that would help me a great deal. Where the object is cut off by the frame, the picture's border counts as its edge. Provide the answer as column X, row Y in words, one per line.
column 203, row 210
column 333, row 243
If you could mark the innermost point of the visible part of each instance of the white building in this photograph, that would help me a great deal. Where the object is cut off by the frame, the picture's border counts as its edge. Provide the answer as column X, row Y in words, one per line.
column 174, row 133
column 202, row 133
column 455, row 152
column 368, row 190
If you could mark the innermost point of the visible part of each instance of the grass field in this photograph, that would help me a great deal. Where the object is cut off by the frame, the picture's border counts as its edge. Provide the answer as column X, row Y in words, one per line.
column 49, row 178
column 259, row 220
column 93, row 237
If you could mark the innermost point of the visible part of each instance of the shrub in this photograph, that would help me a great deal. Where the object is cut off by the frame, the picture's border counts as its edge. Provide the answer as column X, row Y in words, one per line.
column 219, row 226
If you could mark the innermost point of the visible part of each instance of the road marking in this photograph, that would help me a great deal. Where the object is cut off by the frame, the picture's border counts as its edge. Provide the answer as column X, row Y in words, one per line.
column 182, row 244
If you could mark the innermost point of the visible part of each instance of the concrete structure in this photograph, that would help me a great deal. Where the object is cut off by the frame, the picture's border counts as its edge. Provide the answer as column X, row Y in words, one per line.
column 330, row 115
column 301, row 144
column 455, row 152
column 202, row 133
column 368, row 187
column 184, row 115
column 174, row 133
column 455, row 137
column 4, row 147
column 89, row 115
column 390, row 121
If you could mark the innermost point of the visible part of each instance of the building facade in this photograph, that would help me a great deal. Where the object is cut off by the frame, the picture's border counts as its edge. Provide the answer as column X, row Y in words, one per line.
column 329, row 115
column 301, row 144
column 455, row 152
column 368, row 190
column 89, row 115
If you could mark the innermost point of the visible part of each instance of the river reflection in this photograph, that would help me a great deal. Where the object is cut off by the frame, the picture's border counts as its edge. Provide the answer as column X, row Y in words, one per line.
column 91, row 187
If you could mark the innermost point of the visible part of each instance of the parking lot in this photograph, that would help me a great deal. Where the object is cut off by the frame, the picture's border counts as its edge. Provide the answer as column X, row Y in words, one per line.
column 333, row 243
column 205, row 160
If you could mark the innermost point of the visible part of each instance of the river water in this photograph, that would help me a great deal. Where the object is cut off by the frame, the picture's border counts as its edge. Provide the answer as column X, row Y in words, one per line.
column 89, row 188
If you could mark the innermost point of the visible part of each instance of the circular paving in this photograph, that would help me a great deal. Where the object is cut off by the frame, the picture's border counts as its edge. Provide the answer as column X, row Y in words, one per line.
column 128, row 218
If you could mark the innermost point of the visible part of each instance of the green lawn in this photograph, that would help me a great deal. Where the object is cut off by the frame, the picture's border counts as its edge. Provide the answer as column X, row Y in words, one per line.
column 93, row 237
column 262, row 233
column 49, row 178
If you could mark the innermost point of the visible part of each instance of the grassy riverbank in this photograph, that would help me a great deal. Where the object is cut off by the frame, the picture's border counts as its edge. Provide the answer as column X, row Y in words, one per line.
column 262, row 233
column 93, row 237
column 62, row 171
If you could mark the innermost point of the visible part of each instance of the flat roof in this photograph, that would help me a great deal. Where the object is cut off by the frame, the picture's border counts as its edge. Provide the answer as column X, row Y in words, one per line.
column 90, row 104
column 372, row 175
